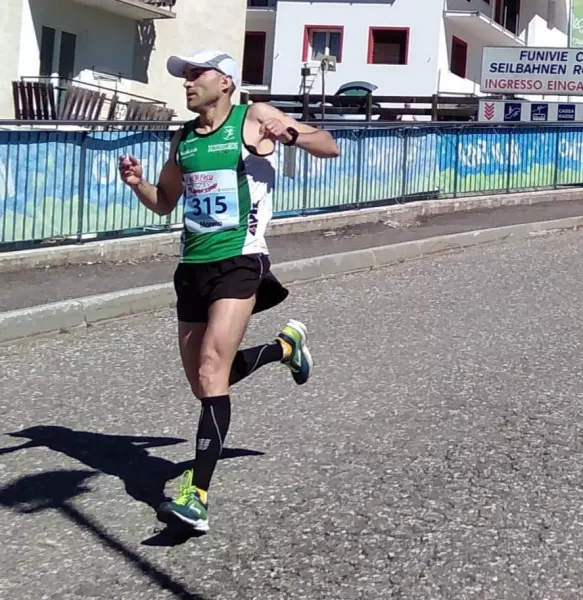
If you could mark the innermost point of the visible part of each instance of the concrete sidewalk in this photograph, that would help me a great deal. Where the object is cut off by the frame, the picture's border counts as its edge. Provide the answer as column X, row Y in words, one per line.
column 40, row 286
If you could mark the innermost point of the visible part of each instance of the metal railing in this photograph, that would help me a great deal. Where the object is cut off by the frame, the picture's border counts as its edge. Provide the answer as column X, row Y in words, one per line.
column 496, row 12
column 369, row 107
column 161, row 3
column 62, row 186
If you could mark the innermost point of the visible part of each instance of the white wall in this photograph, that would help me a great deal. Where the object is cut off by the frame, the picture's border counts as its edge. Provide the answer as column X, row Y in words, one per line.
column 530, row 10
column 553, row 33
column 10, row 21
column 199, row 24
column 448, row 81
column 539, row 34
column 418, row 77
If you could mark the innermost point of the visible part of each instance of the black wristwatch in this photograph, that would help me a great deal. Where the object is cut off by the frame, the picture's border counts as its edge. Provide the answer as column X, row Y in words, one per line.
column 294, row 133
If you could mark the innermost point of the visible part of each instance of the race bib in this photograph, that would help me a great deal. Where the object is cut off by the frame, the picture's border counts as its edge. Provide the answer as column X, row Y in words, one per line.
column 212, row 201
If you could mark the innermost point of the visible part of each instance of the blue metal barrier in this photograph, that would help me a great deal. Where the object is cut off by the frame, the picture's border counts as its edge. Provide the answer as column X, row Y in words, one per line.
column 64, row 185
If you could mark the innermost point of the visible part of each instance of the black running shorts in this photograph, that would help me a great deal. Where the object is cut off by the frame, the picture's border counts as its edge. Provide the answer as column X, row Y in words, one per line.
column 199, row 285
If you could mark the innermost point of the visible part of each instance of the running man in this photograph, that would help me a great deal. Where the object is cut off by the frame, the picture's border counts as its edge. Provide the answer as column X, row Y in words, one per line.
column 223, row 162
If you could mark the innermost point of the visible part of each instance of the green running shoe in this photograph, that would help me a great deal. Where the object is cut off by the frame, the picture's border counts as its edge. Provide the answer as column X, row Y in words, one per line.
column 299, row 362
column 188, row 509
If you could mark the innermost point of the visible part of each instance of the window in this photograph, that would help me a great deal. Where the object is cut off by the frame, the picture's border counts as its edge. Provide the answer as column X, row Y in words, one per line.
column 57, row 53
column 512, row 15
column 323, row 39
column 67, row 55
column 507, row 14
column 47, row 51
column 459, row 57
column 254, row 57
column 388, row 46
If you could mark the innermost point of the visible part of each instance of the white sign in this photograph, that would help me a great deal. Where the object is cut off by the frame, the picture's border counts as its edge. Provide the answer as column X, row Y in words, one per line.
column 516, row 111
column 535, row 71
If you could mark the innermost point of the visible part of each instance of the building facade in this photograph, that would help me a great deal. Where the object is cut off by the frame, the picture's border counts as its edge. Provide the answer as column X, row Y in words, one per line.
column 404, row 47
column 119, row 46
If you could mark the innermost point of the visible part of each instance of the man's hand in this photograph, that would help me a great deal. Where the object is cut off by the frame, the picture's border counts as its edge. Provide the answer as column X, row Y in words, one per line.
column 131, row 170
column 274, row 130
column 163, row 197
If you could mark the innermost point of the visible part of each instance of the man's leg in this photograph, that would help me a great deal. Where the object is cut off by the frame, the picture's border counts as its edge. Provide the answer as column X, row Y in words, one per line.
column 215, row 413
column 208, row 372
column 289, row 347
column 247, row 361
column 228, row 321
column 190, row 341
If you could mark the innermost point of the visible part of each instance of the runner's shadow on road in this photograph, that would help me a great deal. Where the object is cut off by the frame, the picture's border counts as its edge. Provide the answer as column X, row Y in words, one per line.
column 124, row 457
column 56, row 490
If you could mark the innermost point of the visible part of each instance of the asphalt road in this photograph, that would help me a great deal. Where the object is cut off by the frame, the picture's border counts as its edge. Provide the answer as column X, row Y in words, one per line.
column 435, row 454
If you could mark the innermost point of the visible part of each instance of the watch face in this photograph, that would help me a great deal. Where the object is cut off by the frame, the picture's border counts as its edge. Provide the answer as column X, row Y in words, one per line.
column 294, row 133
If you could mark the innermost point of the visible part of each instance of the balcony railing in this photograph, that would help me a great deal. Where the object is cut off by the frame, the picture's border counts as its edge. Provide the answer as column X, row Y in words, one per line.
column 161, row 3
column 136, row 9
column 497, row 30
column 56, row 99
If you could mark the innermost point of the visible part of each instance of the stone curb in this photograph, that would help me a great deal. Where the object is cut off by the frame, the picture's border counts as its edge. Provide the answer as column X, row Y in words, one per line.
column 79, row 312
column 168, row 243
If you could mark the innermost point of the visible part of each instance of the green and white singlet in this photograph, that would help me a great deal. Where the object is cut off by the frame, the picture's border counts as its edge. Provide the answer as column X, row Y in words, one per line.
column 228, row 193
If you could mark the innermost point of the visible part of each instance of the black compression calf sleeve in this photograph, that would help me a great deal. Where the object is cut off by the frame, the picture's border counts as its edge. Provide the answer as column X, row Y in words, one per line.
column 249, row 360
column 215, row 418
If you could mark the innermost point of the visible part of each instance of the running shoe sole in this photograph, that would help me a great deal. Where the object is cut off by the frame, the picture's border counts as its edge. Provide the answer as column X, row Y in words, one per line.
column 303, row 330
column 176, row 520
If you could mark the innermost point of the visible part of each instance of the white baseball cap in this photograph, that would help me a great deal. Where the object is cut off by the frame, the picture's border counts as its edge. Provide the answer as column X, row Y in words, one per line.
column 206, row 59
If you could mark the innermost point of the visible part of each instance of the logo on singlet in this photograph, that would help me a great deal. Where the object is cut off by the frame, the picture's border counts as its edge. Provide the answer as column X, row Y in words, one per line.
column 253, row 219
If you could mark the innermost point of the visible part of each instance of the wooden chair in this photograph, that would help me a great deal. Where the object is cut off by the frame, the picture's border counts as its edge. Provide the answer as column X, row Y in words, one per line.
column 146, row 111
column 34, row 100
column 80, row 104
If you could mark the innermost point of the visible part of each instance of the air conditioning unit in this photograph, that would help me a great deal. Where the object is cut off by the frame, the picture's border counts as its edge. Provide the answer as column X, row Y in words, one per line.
column 109, row 77
column 326, row 62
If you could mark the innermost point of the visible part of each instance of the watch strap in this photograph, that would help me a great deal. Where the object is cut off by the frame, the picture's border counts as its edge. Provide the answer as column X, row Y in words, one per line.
column 294, row 133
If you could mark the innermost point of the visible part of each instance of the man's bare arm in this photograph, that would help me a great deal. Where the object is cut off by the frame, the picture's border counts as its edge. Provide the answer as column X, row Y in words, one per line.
column 315, row 141
column 162, row 197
